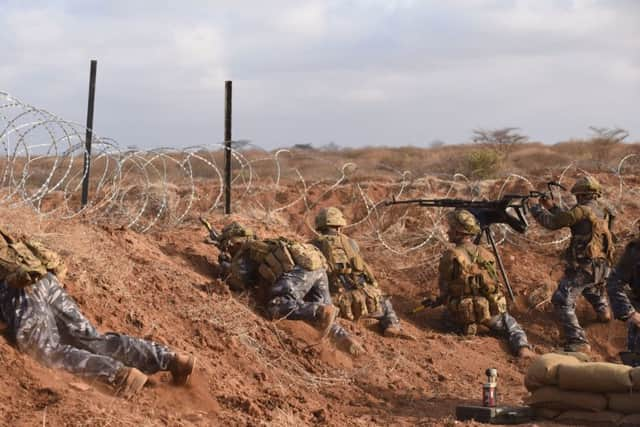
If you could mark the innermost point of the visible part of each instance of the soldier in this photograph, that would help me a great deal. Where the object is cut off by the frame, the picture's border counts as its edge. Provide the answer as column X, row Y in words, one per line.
column 291, row 276
column 470, row 288
column 353, row 286
column 588, row 256
column 627, row 272
column 46, row 323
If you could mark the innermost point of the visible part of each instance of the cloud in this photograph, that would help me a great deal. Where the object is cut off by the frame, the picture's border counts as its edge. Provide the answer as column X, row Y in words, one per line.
column 354, row 72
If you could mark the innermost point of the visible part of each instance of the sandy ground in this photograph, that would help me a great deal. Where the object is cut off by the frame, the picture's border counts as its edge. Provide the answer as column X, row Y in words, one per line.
column 252, row 372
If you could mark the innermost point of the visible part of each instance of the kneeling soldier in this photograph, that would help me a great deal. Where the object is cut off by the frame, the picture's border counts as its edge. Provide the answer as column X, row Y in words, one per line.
column 470, row 288
column 291, row 275
column 46, row 323
column 353, row 286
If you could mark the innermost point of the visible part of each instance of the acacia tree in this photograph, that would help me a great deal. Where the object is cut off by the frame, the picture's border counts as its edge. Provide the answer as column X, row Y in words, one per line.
column 603, row 141
column 503, row 140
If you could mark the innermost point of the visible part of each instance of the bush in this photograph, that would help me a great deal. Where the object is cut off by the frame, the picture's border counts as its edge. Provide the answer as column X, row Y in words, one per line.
column 483, row 163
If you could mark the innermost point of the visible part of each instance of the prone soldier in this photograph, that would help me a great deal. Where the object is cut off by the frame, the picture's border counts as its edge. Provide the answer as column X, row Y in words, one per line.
column 470, row 287
column 354, row 288
column 45, row 322
column 588, row 256
column 291, row 275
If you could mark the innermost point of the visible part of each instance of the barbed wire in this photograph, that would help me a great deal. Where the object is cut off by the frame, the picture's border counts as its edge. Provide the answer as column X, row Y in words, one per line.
column 43, row 168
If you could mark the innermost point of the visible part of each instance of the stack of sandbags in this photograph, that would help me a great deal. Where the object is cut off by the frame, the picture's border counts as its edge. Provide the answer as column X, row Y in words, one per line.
column 568, row 388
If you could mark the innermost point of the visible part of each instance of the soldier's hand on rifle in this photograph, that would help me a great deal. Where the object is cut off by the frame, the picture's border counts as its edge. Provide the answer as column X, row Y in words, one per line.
column 634, row 319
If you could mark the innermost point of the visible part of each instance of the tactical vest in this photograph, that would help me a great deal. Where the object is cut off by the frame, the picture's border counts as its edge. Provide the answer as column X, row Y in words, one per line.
column 473, row 295
column 590, row 238
column 345, row 262
column 277, row 256
column 24, row 262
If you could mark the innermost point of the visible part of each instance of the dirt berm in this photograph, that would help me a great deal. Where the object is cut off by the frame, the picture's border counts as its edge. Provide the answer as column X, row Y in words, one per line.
column 254, row 372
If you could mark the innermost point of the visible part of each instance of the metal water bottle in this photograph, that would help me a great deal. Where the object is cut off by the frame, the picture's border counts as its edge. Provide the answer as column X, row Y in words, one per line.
column 490, row 388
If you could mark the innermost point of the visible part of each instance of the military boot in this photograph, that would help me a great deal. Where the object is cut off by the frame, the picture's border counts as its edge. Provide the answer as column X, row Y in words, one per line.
column 526, row 353
column 326, row 316
column 129, row 381
column 394, row 331
column 181, row 368
column 350, row 345
column 577, row 347
column 604, row 316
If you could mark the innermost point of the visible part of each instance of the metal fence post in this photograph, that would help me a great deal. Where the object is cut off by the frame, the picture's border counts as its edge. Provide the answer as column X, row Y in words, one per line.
column 227, row 147
column 89, row 133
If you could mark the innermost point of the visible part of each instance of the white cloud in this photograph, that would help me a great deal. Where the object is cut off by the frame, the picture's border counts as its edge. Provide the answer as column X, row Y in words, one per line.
column 308, row 19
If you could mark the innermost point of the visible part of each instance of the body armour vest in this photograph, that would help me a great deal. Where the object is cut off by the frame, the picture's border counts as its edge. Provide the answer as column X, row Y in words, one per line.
column 346, row 268
column 590, row 236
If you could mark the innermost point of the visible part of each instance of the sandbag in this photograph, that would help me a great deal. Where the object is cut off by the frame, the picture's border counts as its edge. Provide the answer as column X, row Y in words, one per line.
column 606, row 418
column 596, row 377
column 543, row 370
column 630, row 421
column 635, row 378
column 555, row 398
column 626, row 403
column 546, row 413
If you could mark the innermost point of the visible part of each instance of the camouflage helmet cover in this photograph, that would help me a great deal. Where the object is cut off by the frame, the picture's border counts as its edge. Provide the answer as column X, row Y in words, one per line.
column 463, row 221
column 586, row 185
column 330, row 217
column 235, row 231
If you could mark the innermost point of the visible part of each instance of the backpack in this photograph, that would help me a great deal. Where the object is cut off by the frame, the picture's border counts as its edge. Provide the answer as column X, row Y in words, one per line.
column 24, row 262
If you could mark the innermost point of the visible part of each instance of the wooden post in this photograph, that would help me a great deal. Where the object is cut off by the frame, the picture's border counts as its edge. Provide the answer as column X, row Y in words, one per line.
column 89, row 133
column 227, row 147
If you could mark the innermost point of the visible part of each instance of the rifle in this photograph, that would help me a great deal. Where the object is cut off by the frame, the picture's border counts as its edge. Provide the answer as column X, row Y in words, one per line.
column 214, row 236
column 428, row 303
column 487, row 212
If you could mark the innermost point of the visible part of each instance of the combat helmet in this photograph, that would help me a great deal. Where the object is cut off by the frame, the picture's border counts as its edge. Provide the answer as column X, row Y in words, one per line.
column 235, row 232
column 330, row 217
column 463, row 221
column 586, row 185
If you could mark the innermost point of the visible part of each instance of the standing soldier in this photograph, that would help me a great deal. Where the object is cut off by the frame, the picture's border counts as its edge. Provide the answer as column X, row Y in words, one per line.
column 291, row 275
column 353, row 286
column 470, row 288
column 627, row 272
column 588, row 256
column 46, row 323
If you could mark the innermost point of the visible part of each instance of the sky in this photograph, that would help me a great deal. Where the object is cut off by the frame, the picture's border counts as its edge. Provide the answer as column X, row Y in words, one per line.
column 351, row 72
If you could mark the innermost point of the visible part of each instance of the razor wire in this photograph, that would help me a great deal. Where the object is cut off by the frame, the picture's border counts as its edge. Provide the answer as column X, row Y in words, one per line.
column 43, row 168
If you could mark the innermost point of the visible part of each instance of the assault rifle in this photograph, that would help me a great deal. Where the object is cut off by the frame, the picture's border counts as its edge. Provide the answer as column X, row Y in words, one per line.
column 428, row 303
column 214, row 236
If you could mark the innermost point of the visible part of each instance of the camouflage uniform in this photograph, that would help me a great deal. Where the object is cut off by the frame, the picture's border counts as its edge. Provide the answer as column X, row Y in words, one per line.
column 481, row 303
column 588, row 257
column 351, row 281
column 296, row 293
column 627, row 272
column 47, row 324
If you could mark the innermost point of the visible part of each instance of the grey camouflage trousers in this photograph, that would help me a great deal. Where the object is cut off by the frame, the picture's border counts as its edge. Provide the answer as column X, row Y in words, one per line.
column 506, row 324
column 575, row 283
column 47, row 324
column 298, row 294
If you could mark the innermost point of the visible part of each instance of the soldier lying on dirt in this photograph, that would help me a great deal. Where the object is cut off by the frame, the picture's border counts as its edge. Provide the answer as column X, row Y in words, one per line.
column 45, row 322
column 353, row 286
column 289, row 275
column 470, row 288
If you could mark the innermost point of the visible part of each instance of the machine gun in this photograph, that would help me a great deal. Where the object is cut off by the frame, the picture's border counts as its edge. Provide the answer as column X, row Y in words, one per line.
column 511, row 210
